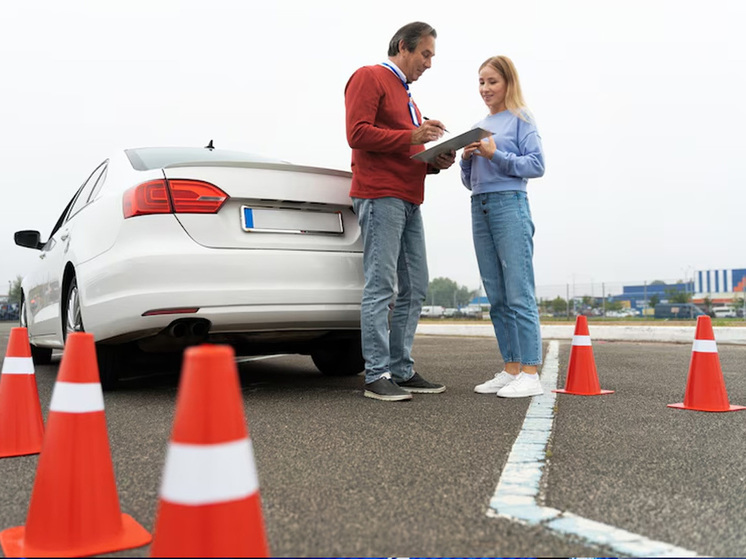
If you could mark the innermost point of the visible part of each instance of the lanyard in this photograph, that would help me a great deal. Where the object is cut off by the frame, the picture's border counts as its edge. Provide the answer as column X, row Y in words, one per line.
column 412, row 110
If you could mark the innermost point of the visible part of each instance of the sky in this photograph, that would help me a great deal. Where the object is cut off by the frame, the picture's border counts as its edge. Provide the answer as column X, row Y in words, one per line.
column 640, row 106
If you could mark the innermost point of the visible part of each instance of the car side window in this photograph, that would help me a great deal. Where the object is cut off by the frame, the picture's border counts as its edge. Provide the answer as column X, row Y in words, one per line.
column 87, row 189
column 50, row 243
column 100, row 182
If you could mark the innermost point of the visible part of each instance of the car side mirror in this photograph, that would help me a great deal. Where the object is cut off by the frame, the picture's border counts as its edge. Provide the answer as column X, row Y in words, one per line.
column 28, row 239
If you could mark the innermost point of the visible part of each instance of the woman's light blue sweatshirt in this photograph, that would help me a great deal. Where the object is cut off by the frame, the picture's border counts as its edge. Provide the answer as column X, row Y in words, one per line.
column 518, row 156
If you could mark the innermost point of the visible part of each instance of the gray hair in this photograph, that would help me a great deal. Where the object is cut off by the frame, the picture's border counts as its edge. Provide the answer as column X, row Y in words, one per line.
column 411, row 35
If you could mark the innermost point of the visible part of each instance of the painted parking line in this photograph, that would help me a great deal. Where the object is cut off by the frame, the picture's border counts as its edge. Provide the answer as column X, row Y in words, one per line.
column 517, row 493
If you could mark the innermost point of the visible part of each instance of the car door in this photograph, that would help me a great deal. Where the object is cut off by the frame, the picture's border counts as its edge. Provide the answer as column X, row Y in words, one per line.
column 45, row 301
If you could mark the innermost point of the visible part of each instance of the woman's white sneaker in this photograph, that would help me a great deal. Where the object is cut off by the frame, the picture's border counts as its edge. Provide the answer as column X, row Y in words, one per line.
column 524, row 385
column 494, row 385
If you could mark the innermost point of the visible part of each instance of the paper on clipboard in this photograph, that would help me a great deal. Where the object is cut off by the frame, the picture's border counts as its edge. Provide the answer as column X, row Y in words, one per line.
column 457, row 142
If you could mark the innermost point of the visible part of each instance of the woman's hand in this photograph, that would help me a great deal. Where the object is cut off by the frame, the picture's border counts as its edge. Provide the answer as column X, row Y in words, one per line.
column 486, row 148
column 469, row 151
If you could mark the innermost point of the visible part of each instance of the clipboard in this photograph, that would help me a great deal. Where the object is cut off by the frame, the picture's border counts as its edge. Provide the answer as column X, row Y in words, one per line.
column 457, row 142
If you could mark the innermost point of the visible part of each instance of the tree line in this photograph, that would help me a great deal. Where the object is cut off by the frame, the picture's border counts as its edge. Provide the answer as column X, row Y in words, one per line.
column 445, row 292
column 14, row 291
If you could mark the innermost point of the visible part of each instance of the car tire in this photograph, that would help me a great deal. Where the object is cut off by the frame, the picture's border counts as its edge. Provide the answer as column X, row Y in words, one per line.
column 111, row 361
column 344, row 358
column 72, row 318
column 39, row 355
column 110, row 358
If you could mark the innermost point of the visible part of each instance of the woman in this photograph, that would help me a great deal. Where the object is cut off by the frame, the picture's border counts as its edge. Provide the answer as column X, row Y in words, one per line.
column 496, row 170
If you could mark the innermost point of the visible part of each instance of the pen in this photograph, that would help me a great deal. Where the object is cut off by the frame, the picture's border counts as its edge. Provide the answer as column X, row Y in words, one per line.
column 444, row 129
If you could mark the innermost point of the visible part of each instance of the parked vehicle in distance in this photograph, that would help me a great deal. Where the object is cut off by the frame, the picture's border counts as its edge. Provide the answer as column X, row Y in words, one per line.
column 677, row 310
column 432, row 311
column 724, row 312
column 472, row 311
column 8, row 311
column 623, row 313
column 162, row 248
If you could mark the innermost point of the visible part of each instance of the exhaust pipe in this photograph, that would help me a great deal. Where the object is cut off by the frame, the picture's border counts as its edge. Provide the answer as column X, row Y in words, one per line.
column 192, row 329
column 178, row 329
column 199, row 328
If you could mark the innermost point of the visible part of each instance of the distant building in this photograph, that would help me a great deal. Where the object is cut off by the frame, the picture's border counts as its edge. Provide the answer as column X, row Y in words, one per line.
column 637, row 296
column 480, row 301
column 721, row 286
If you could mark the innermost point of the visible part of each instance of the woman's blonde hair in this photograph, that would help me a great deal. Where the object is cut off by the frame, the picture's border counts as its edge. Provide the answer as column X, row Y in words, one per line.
column 514, row 101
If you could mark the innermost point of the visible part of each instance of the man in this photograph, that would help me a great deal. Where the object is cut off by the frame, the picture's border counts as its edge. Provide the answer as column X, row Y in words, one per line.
column 384, row 129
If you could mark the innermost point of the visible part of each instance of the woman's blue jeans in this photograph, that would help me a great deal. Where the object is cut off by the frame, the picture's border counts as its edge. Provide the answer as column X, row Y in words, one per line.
column 393, row 258
column 503, row 240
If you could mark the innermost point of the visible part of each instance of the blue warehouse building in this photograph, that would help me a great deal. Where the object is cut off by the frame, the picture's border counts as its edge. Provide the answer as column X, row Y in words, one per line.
column 638, row 295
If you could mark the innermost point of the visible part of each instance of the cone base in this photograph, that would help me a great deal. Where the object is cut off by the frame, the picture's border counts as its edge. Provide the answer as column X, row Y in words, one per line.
column 132, row 535
column 681, row 406
column 599, row 393
column 20, row 452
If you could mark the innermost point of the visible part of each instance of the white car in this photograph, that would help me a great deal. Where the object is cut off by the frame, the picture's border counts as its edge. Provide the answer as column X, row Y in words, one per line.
column 162, row 248
column 724, row 312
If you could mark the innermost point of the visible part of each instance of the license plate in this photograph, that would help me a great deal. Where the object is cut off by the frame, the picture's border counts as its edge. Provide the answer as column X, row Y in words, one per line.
column 284, row 220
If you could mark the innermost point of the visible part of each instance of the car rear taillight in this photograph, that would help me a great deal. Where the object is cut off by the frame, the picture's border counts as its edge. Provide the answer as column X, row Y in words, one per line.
column 196, row 197
column 173, row 196
column 147, row 198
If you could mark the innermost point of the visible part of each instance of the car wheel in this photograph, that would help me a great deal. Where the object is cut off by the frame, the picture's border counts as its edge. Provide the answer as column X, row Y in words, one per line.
column 73, row 317
column 39, row 355
column 341, row 359
column 110, row 358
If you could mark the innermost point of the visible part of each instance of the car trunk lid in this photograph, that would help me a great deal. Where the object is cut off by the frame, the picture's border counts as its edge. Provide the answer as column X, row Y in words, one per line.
column 273, row 206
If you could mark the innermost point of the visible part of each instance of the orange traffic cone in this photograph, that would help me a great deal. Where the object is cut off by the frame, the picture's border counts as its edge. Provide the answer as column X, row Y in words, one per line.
column 74, row 508
column 21, row 422
column 209, row 499
column 582, row 379
column 705, row 387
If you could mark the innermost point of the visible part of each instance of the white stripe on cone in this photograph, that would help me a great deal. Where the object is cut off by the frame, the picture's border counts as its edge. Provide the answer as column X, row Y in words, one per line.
column 705, row 346
column 77, row 397
column 18, row 366
column 204, row 474
column 581, row 340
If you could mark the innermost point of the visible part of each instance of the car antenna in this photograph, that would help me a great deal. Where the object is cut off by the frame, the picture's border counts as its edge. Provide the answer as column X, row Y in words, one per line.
column 210, row 146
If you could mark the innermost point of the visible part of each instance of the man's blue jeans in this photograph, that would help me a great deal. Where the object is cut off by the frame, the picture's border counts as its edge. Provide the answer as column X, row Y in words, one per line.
column 393, row 258
column 503, row 240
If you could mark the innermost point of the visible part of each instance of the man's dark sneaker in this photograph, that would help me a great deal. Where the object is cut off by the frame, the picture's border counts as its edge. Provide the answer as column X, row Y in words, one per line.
column 385, row 389
column 421, row 386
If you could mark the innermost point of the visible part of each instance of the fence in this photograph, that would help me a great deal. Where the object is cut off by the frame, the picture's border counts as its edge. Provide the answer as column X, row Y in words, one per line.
column 629, row 297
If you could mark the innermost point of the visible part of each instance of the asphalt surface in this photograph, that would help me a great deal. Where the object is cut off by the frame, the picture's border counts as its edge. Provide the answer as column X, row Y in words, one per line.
column 343, row 475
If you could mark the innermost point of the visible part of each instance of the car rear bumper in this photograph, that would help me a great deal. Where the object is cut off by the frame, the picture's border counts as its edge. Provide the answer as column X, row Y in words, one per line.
column 236, row 290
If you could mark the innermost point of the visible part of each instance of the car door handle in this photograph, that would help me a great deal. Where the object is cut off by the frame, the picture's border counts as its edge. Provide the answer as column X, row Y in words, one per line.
column 43, row 255
column 64, row 236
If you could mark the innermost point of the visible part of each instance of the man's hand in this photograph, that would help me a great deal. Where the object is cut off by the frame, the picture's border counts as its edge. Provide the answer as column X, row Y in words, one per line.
column 429, row 130
column 444, row 160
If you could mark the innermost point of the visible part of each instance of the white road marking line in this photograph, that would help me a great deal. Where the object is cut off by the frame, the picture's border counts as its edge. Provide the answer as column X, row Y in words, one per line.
column 517, row 493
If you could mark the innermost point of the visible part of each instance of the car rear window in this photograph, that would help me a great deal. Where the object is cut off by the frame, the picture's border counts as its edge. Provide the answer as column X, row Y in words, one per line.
column 146, row 159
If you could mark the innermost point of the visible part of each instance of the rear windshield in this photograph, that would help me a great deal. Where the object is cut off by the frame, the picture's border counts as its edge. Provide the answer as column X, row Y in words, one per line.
column 146, row 159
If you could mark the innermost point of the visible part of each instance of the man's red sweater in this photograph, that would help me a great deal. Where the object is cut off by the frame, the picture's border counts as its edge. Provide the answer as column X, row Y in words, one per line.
column 379, row 131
